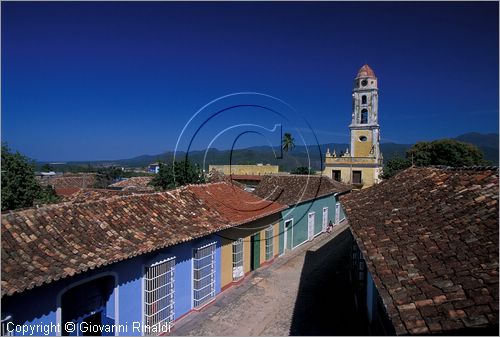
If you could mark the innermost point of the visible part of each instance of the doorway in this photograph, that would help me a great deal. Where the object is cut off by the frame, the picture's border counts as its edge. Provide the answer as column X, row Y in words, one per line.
column 93, row 320
column 87, row 302
column 255, row 251
column 336, row 175
column 356, row 177
column 288, row 235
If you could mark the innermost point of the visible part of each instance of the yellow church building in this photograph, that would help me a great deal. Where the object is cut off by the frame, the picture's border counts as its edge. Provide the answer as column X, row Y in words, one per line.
column 360, row 166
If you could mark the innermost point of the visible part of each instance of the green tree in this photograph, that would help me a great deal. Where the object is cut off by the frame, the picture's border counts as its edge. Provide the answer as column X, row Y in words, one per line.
column 106, row 176
column 19, row 186
column 302, row 170
column 395, row 165
column 177, row 174
column 287, row 144
column 446, row 152
column 47, row 196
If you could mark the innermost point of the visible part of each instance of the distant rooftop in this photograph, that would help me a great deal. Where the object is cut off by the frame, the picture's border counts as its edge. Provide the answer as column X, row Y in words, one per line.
column 291, row 189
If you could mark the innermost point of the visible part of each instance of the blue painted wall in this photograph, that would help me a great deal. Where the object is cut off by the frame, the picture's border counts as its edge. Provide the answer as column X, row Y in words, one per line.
column 39, row 305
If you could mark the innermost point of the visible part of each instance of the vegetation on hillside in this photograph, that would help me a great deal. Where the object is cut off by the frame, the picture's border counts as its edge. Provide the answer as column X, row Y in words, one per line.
column 300, row 156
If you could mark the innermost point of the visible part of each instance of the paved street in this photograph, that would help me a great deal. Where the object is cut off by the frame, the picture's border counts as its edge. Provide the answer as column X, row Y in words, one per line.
column 306, row 292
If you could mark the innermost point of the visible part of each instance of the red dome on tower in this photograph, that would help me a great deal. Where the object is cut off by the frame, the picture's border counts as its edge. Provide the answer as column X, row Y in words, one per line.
column 366, row 71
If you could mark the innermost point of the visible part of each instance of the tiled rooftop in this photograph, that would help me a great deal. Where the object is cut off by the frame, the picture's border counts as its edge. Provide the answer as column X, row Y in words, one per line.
column 292, row 189
column 215, row 176
column 140, row 183
column 94, row 194
column 69, row 180
column 235, row 204
column 253, row 177
column 41, row 245
column 53, row 242
column 430, row 239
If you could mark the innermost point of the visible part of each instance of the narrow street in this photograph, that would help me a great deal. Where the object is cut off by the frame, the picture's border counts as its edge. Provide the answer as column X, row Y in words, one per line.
column 305, row 292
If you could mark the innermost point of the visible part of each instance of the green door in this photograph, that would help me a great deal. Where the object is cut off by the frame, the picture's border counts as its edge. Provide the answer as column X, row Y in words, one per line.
column 288, row 234
column 255, row 251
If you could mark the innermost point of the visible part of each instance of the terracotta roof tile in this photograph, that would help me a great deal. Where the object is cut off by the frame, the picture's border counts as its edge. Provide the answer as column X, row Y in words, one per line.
column 66, row 192
column 292, row 189
column 215, row 176
column 71, row 180
column 41, row 245
column 94, row 194
column 235, row 204
column 141, row 183
column 366, row 71
column 430, row 239
column 253, row 177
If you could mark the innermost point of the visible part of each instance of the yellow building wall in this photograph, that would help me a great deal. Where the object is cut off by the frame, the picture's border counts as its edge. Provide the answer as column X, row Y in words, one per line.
column 362, row 149
column 367, row 174
column 245, row 232
column 245, row 169
column 226, row 262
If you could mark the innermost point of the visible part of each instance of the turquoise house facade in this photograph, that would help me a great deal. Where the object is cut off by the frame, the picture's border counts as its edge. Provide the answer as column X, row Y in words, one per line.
column 304, row 221
column 313, row 204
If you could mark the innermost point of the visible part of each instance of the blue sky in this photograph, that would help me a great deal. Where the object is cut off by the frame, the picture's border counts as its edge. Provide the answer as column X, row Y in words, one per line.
column 88, row 81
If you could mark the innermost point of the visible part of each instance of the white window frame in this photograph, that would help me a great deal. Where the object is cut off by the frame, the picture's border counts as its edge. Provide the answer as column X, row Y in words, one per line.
column 159, row 275
column 309, row 235
column 269, row 242
column 238, row 259
column 200, row 301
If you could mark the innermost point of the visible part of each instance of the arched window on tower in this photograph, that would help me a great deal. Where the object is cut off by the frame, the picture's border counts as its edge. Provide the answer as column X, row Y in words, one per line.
column 363, row 99
column 364, row 116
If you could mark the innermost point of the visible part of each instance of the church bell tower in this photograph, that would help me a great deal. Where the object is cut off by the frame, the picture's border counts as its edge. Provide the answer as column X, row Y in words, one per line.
column 365, row 130
column 360, row 166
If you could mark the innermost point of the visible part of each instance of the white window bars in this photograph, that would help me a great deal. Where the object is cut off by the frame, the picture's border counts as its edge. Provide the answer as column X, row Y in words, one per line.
column 204, row 274
column 269, row 242
column 159, row 293
column 238, row 271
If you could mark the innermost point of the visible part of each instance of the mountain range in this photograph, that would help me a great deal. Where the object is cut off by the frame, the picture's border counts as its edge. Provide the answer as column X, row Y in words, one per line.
column 300, row 156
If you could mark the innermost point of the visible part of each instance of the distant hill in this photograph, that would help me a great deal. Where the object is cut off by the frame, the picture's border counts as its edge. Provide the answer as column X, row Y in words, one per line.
column 488, row 143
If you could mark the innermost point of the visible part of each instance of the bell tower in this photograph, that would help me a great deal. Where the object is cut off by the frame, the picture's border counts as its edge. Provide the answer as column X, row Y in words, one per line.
column 365, row 130
column 361, row 163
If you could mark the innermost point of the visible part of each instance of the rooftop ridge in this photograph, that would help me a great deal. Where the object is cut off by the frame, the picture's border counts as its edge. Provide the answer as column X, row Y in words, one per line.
column 134, row 194
column 69, row 203
column 466, row 168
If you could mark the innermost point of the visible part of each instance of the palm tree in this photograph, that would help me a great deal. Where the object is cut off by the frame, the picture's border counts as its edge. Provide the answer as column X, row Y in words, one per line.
column 287, row 143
